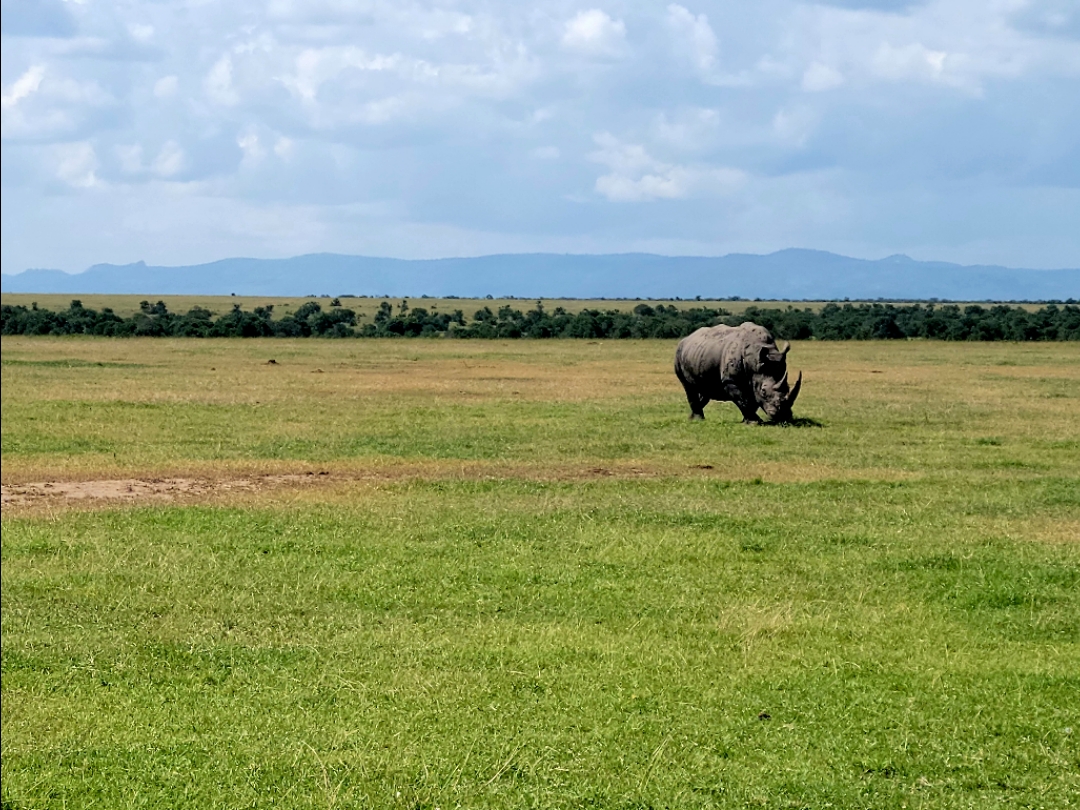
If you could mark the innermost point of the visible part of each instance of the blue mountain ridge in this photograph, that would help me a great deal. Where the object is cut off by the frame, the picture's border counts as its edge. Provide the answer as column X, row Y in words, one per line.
column 792, row 274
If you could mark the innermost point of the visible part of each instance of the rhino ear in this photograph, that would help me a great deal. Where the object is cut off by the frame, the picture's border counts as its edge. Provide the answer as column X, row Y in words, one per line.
column 774, row 354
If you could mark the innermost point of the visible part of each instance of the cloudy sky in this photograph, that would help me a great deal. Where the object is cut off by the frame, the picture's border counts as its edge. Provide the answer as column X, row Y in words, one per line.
column 180, row 132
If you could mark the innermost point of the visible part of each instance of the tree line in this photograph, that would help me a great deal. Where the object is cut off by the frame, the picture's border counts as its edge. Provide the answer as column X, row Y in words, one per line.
column 870, row 321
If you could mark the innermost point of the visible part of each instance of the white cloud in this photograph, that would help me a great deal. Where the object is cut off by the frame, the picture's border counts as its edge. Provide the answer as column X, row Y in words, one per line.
column 23, row 87
column 141, row 32
column 621, row 157
column 594, row 33
column 438, row 23
column 545, row 153
column 75, row 92
column 382, row 110
column 636, row 176
column 283, row 147
column 42, row 104
column 960, row 44
column 342, row 86
column 820, row 77
column 794, row 126
column 170, row 160
column 250, row 146
column 130, row 157
column 219, row 82
column 688, row 130
column 166, row 86
column 694, row 38
column 76, row 164
column 412, row 105
column 316, row 66
column 912, row 61
column 671, row 182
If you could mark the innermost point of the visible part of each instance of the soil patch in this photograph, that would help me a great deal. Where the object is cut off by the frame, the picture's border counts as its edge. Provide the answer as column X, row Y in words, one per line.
column 136, row 489
column 48, row 495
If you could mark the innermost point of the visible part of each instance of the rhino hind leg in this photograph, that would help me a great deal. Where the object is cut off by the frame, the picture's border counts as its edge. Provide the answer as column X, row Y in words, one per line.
column 697, row 404
column 697, row 400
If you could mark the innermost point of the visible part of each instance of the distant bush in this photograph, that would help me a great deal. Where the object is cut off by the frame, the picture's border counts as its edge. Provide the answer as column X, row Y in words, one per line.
column 833, row 322
column 944, row 322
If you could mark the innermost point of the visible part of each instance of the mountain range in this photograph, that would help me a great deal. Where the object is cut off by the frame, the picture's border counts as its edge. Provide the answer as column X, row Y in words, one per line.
column 792, row 274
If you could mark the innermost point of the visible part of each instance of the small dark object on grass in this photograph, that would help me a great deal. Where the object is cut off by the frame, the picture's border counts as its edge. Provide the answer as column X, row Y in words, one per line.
column 271, row 362
column 798, row 422
column 764, row 716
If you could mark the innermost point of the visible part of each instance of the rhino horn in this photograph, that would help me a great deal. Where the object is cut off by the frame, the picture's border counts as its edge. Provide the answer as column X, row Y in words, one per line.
column 794, row 392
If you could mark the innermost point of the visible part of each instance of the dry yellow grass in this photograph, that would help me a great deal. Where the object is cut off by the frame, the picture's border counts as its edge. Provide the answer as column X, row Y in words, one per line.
column 213, row 410
column 126, row 305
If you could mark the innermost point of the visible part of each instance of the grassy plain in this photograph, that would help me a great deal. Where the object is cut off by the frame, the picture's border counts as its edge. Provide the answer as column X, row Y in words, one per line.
column 127, row 305
column 529, row 581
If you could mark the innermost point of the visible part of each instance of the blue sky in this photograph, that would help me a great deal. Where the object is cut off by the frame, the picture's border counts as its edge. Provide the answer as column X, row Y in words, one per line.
column 183, row 132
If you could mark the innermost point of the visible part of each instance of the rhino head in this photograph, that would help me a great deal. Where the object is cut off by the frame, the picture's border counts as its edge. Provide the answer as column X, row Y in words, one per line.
column 771, row 389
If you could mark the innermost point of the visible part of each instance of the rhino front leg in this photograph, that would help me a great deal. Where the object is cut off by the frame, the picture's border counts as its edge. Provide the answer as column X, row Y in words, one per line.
column 747, row 405
column 749, row 417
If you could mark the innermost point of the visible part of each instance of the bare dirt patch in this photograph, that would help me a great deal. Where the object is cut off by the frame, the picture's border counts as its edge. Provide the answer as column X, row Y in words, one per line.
column 50, row 494
column 135, row 489
column 35, row 496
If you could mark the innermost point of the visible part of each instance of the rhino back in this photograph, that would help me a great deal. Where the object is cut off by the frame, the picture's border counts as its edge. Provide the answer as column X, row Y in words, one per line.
column 729, row 352
column 710, row 353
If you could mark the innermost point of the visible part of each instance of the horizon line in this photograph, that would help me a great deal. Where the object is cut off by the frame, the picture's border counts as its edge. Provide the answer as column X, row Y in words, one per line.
column 902, row 256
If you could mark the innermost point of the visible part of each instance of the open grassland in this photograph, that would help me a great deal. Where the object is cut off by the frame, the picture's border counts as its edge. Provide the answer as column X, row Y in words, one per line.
column 528, row 581
column 365, row 308
column 127, row 305
column 98, row 408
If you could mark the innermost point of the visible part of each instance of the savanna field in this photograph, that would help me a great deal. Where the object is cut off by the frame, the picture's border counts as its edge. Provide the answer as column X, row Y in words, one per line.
column 512, row 574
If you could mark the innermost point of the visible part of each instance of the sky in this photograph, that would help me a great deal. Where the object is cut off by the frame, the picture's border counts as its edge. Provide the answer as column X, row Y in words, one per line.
column 183, row 132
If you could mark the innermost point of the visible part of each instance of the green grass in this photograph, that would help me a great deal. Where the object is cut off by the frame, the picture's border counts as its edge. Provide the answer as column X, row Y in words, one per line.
column 548, row 645
column 559, row 606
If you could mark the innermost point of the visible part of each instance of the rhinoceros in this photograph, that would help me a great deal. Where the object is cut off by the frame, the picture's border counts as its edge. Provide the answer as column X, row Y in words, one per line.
column 740, row 364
